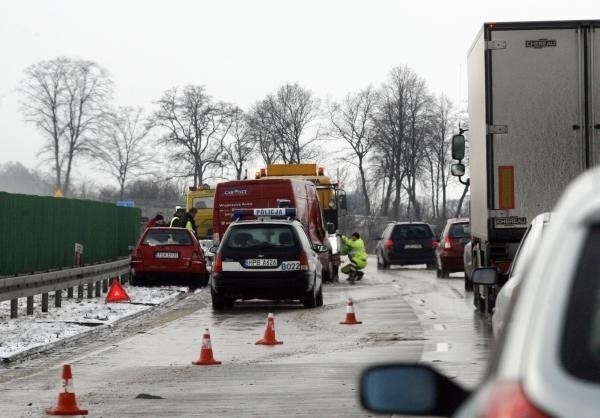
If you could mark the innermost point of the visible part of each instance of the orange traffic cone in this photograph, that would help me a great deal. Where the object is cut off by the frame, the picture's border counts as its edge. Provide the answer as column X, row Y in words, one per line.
column 66, row 405
column 206, row 354
column 269, row 336
column 350, row 317
column 117, row 293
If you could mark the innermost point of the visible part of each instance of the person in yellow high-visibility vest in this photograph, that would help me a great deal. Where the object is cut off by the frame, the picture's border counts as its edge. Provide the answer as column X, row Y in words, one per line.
column 354, row 247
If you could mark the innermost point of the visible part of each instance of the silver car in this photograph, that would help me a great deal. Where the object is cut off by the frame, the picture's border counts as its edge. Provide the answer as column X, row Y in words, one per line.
column 527, row 248
column 547, row 361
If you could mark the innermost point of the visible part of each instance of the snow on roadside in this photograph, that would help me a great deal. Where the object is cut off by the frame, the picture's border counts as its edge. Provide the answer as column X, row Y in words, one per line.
column 27, row 332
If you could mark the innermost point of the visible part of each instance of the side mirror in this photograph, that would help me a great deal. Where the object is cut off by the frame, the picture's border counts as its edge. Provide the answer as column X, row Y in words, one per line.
column 343, row 204
column 409, row 389
column 487, row 276
column 458, row 147
column 320, row 248
column 330, row 228
column 457, row 170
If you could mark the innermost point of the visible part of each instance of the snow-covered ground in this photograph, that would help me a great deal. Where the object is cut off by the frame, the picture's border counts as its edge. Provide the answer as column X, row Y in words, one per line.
column 28, row 332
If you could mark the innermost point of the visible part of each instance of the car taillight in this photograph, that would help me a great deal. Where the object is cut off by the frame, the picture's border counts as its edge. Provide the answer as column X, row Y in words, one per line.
column 197, row 256
column 303, row 261
column 508, row 399
column 217, row 266
column 389, row 244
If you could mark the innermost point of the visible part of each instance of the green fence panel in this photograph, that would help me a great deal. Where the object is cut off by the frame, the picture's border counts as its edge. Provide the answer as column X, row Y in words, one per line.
column 39, row 233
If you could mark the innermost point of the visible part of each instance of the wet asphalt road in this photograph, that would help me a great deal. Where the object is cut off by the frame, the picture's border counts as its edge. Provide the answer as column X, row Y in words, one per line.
column 407, row 314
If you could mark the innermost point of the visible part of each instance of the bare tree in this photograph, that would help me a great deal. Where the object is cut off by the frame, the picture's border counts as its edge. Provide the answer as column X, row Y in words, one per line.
column 418, row 110
column 287, row 114
column 352, row 121
column 241, row 148
column 124, row 150
column 194, row 130
column 438, row 158
column 262, row 132
column 66, row 100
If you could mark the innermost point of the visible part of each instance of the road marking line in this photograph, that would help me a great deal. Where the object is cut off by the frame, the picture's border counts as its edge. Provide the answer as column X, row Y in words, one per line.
column 442, row 347
column 439, row 327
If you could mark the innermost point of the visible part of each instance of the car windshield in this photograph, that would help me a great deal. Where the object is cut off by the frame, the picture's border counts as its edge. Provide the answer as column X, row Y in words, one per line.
column 261, row 236
column 460, row 230
column 414, row 231
column 167, row 237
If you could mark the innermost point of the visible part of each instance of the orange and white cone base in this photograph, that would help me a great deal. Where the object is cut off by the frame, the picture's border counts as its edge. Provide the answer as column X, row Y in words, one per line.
column 350, row 316
column 67, row 404
column 269, row 335
column 206, row 354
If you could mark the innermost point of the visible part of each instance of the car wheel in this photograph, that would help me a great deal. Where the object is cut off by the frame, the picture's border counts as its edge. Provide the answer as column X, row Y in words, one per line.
column 379, row 262
column 136, row 279
column 320, row 297
column 219, row 302
column 310, row 299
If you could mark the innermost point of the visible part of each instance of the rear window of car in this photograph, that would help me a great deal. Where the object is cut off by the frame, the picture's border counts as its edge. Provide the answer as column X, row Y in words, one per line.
column 580, row 351
column 261, row 236
column 167, row 237
column 460, row 230
column 412, row 231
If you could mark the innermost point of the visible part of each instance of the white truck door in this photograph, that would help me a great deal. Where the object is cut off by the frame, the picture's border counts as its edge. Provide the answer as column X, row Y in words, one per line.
column 537, row 97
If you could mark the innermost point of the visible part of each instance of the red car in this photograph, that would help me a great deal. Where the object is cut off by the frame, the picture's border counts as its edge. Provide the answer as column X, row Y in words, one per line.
column 449, row 251
column 168, row 255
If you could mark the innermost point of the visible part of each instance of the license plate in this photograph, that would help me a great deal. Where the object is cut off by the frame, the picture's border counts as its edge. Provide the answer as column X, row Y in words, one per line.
column 260, row 262
column 290, row 265
column 412, row 246
column 166, row 255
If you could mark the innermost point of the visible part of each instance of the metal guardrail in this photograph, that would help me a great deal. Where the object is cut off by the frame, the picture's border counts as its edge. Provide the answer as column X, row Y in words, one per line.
column 13, row 288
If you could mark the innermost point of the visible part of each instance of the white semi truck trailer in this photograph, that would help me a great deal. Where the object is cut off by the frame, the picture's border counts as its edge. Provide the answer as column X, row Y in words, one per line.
column 534, row 125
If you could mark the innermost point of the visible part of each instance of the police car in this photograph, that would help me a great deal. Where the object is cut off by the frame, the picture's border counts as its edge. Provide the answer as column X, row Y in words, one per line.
column 266, row 254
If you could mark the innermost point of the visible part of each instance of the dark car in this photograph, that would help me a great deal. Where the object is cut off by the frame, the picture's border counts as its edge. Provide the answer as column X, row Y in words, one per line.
column 405, row 243
column 168, row 256
column 449, row 251
column 267, row 259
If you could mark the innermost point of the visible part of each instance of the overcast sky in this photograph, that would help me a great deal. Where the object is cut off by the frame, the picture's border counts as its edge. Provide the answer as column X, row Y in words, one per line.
column 243, row 50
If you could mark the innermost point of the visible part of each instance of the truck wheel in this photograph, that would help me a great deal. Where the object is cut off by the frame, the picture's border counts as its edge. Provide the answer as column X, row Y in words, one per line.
column 468, row 283
column 478, row 302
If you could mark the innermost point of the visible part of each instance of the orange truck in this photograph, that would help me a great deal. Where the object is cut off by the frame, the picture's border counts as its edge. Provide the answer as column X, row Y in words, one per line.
column 331, row 198
column 275, row 193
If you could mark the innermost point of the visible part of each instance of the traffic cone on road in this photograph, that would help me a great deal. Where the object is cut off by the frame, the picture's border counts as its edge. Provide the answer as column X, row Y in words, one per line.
column 206, row 354
column 67, row 404
column 350, row 316
column 269, row 336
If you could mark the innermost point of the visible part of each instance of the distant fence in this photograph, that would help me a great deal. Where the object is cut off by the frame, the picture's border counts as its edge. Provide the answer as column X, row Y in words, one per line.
column 39, row 233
